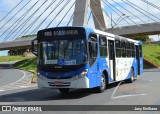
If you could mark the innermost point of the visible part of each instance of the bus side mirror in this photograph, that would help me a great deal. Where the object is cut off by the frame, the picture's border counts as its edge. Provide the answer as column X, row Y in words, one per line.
column 33, row 47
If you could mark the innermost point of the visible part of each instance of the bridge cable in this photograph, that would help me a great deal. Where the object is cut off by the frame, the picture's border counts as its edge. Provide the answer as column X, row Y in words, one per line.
column 21, row 25
column 128, row 11
column 118, row 13
column 15, row 14
column 27, row 20
column 143, row 10
column 58, row 13
column 14, row 26
column 31, row 25
column 96, row 18
column 138, row 10
column 66, row 14
column 70, row 19
column 104, row 11
column 151, row 4
column 89, row 17
column 11, row 10
column 60, row 2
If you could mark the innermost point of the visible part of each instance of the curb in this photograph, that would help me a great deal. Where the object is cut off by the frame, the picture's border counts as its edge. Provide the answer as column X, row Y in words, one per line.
column 32, row 80
column 151, row 63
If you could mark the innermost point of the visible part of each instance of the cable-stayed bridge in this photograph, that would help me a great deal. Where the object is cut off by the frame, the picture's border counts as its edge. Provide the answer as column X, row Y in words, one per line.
column 118, row 17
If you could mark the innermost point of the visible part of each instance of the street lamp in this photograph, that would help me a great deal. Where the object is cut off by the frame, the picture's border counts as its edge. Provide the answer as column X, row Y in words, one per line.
column 123, row 16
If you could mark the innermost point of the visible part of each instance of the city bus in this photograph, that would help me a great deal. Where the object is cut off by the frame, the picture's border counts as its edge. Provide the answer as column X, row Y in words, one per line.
column 80, row 57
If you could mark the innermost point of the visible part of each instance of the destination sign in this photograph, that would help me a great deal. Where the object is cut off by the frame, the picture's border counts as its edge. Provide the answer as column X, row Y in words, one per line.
column 61, row 33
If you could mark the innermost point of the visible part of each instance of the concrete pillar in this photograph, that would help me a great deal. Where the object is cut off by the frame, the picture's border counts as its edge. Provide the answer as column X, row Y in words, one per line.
column 81, row 13
column 99, row 17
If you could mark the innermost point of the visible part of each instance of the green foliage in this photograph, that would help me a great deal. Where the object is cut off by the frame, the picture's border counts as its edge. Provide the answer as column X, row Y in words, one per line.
column 29, row 36
column 11, row 58
column 152, row 52
column 27, row 64
column 26, row 36
column 141, row 38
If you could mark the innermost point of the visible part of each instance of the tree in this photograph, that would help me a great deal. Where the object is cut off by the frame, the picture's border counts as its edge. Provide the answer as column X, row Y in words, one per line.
column 141, row 38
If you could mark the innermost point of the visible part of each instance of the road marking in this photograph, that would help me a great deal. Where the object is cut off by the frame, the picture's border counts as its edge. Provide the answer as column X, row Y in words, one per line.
column 133, row 95
column 123, row 96
column 24, row 74
column 23, row 86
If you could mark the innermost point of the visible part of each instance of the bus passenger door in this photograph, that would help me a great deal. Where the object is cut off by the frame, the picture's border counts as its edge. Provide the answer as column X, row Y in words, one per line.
column 139, row 59
column 111, row 49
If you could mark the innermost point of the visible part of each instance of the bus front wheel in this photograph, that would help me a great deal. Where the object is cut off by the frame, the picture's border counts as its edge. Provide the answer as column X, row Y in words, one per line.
column 102, row 87
column 64, row 90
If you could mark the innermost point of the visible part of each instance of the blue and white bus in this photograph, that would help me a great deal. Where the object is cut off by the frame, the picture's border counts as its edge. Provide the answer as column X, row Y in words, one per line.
column 79, row 57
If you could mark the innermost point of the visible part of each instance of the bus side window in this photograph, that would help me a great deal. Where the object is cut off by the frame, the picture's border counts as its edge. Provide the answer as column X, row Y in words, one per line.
column 133, row 49
column 118, row 48
column 128, row 49
column 123, row 48
column 93, row 48
column 103, row 46
column 140, row 49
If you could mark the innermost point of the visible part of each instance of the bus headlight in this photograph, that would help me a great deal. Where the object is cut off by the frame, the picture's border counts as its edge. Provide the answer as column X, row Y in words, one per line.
column 83, row 74
column 42, row 77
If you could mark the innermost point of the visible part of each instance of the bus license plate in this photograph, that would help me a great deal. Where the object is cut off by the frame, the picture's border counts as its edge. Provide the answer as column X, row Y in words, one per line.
column 58, row 83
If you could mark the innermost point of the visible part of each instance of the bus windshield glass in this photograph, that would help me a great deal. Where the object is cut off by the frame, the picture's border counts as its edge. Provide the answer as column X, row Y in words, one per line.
column 63, row 52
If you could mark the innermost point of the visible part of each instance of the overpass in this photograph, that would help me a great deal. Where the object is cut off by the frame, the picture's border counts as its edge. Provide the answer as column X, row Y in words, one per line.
column 17, row 44
column 135, row 30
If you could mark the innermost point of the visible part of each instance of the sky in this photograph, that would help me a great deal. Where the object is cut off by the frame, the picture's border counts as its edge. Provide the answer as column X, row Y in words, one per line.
column 7, row 5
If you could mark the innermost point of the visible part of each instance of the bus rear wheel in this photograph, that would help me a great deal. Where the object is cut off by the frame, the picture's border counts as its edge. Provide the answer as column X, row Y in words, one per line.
column 64, row 90
column 102, row 87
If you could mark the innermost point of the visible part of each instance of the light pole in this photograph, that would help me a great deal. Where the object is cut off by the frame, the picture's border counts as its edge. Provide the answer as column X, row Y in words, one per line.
column 123, row 16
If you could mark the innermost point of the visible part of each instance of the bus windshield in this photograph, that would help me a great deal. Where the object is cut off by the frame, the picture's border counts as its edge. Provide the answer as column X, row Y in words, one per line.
column 63, row 52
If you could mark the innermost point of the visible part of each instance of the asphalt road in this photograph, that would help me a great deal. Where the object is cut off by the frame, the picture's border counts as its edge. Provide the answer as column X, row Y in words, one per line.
column 11, row 79
column 144, row 91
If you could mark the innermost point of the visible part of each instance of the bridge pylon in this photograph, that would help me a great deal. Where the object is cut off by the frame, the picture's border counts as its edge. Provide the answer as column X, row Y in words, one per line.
column 81, row 13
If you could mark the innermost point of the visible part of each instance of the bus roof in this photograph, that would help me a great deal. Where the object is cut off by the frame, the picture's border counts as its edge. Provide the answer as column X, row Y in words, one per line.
column 89, row 30
column 115, row 36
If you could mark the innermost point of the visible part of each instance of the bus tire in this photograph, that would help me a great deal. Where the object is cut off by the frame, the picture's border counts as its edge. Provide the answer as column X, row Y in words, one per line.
column 132, row 76
column 102, row 87
column 64, row 90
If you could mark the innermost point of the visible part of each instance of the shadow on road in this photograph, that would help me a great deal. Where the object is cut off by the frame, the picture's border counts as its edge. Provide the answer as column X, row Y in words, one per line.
column 6, row 66
column 152, row 70
column 47, row 95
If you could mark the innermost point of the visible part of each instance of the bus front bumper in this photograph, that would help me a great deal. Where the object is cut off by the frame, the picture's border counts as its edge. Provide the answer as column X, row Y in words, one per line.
column 44, row 82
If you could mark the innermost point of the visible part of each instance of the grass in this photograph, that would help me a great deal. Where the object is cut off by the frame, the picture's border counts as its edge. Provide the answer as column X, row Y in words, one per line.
column 11, row 58
column 27, row 65
column 152, row 53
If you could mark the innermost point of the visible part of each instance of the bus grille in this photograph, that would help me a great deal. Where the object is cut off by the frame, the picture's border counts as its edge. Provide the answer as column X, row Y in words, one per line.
column 61, row 84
